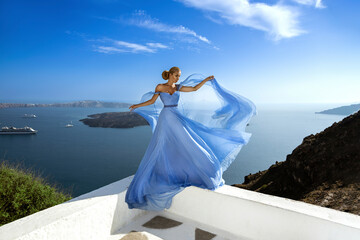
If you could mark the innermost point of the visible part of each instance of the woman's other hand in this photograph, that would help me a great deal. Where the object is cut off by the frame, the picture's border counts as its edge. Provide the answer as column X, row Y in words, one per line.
column 209, row 78
column 132, row 107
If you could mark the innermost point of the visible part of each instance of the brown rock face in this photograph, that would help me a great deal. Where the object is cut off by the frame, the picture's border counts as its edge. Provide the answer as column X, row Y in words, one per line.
column 324, row 169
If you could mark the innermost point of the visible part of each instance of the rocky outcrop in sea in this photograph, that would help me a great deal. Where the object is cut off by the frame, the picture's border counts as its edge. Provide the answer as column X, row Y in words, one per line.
column 115, row 120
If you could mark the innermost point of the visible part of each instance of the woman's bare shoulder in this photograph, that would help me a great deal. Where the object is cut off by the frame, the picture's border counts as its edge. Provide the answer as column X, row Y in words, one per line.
column 159, row 87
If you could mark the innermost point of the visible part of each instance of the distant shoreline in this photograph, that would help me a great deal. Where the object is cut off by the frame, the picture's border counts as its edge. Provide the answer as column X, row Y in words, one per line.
column 85, row 103
column 343, row 110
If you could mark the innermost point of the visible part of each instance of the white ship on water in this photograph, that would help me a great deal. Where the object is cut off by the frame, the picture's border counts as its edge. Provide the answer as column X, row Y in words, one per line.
column 13, row 130
column 29, row 116
column 69, row 124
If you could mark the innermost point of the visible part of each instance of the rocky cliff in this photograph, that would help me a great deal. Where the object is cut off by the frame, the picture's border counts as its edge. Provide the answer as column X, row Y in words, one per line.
column 324, row 169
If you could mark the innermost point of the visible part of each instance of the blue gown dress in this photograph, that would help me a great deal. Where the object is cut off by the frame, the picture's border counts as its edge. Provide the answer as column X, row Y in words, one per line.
column 187, row 147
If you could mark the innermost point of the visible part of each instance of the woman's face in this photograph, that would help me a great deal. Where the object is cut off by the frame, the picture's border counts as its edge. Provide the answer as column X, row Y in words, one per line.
column 174, row 77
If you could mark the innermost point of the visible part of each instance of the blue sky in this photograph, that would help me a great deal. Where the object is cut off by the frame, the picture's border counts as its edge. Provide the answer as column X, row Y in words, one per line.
column 286, row 51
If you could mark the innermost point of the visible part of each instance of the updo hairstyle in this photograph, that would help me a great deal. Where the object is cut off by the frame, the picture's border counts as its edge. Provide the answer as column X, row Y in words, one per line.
column 165, row 74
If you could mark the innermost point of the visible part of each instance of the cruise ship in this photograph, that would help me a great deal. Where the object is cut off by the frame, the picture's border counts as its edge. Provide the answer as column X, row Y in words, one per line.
column 13, row 130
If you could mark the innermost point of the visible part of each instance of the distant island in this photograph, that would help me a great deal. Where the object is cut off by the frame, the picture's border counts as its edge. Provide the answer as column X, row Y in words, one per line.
column 344, row 110
column 115, row 120
column 322, row 170
column 85, row 103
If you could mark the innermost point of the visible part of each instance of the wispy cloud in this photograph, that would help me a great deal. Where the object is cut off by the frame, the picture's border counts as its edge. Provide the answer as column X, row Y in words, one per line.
column 279, row 20
column 133, row 47
column 105, row 49
column 140, row 19
column 315, row 3
column 110, row 46
column 116, row 46
column 157, row 45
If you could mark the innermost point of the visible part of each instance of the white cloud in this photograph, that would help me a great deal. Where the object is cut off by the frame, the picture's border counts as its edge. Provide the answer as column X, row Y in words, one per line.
column 117, row 46
column 141, row 19
column 280, row 21
column 134, row 47
column 157, row 45
column 104, row 49
column 316, row 3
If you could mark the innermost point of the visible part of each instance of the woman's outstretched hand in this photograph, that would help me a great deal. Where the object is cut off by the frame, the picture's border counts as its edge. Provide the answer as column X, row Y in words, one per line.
column 132, row 107
column 210, row 78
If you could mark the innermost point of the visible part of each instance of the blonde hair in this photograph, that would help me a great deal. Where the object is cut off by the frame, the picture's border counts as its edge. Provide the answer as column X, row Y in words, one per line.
column 165, row 74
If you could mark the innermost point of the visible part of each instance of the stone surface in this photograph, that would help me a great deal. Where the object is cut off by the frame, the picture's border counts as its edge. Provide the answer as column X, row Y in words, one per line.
column 134, row 235
column 160, row 222
column 203, row 235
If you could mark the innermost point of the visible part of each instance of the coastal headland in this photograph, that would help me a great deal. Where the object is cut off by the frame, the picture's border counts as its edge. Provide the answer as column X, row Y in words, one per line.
column 323, row 170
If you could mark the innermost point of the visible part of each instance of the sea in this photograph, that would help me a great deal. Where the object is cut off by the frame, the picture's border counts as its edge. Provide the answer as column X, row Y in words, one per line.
column 80, row 159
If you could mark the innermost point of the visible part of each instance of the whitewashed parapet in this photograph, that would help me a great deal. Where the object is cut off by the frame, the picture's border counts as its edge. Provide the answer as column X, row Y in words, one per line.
column 243, row 213
column 253, row 215
column 94, row 215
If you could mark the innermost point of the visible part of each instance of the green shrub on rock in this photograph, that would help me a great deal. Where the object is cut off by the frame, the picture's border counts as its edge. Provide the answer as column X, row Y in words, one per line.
column 23, row 193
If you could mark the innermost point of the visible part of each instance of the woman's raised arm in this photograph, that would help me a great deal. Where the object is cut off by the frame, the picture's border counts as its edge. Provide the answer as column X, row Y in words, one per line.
column 191, row 89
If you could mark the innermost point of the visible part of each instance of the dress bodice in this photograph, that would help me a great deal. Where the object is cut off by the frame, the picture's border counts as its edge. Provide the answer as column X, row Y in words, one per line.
column 169, row 99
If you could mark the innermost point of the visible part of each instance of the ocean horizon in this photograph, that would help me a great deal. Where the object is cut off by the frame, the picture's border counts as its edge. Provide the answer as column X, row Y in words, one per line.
column 82, row 158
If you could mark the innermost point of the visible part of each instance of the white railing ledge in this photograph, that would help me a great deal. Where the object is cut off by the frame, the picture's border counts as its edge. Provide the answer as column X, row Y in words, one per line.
column 300, row 207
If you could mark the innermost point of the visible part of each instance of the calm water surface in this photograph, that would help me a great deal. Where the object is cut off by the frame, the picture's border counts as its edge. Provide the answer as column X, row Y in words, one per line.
column 82, row 158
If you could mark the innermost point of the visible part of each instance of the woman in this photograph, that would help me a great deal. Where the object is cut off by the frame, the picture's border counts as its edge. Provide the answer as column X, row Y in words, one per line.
column 187, row 148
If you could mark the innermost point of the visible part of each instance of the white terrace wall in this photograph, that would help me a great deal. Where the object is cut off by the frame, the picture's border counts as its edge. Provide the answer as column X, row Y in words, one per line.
column 246, row 214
